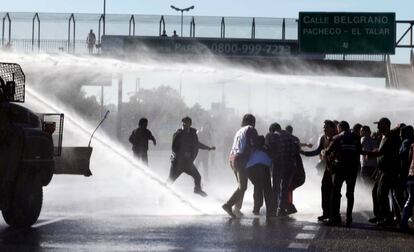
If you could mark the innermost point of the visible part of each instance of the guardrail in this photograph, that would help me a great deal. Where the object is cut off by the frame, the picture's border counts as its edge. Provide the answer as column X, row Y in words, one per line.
column 38, row 27
column 49, row 46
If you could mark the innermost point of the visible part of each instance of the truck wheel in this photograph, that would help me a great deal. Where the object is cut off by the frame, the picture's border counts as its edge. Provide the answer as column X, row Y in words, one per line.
column 25, row 204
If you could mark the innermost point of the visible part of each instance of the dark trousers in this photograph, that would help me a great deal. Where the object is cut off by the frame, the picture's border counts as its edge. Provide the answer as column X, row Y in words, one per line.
column 180, row 165
column 142, row 155
column 282, row 177
column 375, row 201
column 385, row 184
column 399, row 196
column 338, row 178
column 259, row 175
column 238, row 166
column 326, row 189
column 408, row 208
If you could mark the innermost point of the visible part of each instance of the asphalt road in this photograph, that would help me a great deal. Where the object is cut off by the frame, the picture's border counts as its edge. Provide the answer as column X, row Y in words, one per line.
column 105, row 232
column 105, row 213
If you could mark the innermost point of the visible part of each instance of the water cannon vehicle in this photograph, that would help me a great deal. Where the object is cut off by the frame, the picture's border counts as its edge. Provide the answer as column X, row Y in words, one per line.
column 31, row 151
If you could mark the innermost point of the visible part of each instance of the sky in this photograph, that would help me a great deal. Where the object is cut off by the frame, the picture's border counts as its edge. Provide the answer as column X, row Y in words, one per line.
column 404, row 9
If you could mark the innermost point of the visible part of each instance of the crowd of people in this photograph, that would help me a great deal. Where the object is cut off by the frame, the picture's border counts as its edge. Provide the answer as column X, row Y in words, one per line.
column 383, row 160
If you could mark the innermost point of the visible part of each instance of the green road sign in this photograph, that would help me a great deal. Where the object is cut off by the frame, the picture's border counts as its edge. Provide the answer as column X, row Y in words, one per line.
column 347, row 33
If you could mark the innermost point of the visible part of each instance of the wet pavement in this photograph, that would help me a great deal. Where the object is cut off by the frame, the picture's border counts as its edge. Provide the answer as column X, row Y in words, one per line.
column 126, row 209
column 103, row 232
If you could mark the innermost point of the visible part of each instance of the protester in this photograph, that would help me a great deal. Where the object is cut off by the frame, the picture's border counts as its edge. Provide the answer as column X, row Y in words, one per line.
column 407, row 138
column 408, row 208
column 90, row 41
column 345, row 151
column 244, row 144
column 299, row 176
column 326, row 188
column 283, row 149
column 139, row 139
column 258, row 171
column 368, row 164
column 388, row 167
column 356, row 129
column 185, row 146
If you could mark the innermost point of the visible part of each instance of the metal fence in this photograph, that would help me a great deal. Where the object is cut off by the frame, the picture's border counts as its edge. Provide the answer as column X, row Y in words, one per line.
column 67, row 32
column 54, row 32
column 49, row 46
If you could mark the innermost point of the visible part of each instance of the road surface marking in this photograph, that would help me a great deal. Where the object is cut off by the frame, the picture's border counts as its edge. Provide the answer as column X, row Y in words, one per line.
column 310, row 228
column 296, row 245
column 305, row 236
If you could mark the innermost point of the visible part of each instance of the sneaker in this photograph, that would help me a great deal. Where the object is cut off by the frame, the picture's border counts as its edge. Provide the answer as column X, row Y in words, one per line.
column 227, row 208
column 291, row 209
column 386, row 223
column 238, row 213
column 323, row 217
column 200, row 192
column 256, row 212
column 374, row 220
column 281, row 212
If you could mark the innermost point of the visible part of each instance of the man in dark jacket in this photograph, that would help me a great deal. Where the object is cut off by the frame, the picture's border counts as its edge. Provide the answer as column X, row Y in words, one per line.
column 388, row 167
column 345, row 150
column 139, row 140
column 326, row 184
column 185, row 146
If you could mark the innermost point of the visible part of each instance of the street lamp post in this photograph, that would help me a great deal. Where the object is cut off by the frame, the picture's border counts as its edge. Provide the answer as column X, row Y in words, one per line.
column 182, row 10
column 104, row 17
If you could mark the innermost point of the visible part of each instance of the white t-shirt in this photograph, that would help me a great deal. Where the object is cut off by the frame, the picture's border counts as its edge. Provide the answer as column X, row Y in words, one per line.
column 240, row 141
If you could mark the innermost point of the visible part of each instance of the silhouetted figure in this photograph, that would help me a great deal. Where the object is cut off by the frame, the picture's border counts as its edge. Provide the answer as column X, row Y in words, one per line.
column 408, row 208
column 243, row 146
column 283, row 149
column 175, row 33
column 185, row 146
column 299, row 176
column 90, row 41
column 258, row 171
column 139, row 140
column 356, row 129
column 164, row 34
column 345, row 151
column 326, row 188
column 388, row 167
column 368, row 164
column 407, row 138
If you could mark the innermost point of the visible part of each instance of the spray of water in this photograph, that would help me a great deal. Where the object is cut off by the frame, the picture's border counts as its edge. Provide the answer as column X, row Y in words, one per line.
column 303, row 102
